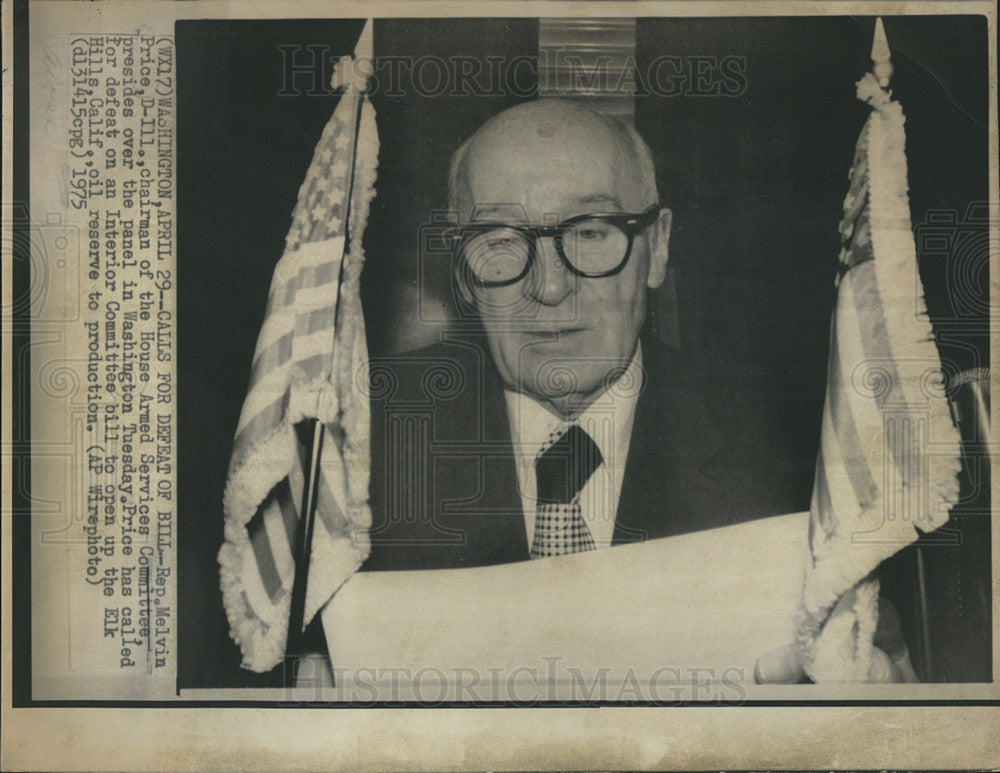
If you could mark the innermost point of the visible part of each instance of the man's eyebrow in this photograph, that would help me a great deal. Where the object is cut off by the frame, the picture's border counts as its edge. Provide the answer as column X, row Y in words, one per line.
column 485, row 211
column 600, row 198
column 515, row 212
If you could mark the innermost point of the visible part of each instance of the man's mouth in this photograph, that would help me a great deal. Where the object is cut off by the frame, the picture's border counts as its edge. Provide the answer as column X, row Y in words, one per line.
column 554, row 333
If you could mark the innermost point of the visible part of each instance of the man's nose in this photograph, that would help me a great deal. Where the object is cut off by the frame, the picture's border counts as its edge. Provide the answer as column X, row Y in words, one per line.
column 550, row 280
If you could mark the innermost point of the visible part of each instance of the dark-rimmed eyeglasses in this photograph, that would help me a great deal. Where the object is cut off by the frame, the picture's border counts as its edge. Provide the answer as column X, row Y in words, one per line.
column 591, row 245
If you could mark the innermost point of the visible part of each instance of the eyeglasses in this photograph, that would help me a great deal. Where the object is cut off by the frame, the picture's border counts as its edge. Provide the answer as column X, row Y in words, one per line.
column 592, row 246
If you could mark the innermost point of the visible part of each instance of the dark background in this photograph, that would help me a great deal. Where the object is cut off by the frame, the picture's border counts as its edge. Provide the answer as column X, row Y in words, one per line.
column 756, row 182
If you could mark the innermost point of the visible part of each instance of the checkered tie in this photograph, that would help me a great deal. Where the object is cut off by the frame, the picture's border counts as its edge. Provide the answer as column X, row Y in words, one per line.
column 564, row 464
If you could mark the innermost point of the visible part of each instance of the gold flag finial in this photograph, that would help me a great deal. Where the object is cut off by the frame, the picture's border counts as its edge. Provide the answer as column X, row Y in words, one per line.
column 882, row 64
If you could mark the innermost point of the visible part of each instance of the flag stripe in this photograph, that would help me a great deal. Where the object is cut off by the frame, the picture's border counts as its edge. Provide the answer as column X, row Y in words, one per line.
column 822, row 494
column 296, row 292
column 262, row 553
column 306, row 254
column 878, row 347
column 835, row 470
column 279, row 323
column 278, row 347
column 856, row 390
column 259, row 427
column 844, row 425
column 288, row 512
column 272, row 358
column 874, row 336
column 318, row 295
column 331, row 514
column 281, row 548
column 306, row 346
column 267, row 393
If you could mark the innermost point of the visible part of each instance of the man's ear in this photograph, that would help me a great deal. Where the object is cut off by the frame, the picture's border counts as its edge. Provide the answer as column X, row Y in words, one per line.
column 659, row 251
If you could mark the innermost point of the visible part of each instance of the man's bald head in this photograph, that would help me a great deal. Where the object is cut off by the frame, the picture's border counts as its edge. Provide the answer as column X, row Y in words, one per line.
column 535, row 137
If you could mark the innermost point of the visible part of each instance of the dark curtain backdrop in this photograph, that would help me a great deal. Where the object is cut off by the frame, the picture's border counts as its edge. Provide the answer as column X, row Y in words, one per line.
column 756, row 181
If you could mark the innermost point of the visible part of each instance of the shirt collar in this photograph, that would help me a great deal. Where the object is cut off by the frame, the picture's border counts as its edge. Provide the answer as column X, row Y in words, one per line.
column 608, row 420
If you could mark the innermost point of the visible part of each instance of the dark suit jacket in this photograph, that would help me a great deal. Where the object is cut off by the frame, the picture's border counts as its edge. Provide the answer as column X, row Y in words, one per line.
column 444, row 489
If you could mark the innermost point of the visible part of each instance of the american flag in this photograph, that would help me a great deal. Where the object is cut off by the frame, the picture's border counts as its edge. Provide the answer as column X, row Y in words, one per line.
column 310, row 363
column 889, row 453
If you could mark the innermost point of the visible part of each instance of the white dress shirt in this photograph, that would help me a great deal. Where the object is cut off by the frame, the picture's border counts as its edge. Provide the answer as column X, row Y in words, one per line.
column 608, row 421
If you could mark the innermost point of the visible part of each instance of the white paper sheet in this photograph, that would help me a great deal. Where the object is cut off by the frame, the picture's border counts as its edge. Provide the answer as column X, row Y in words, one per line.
column 694, row 609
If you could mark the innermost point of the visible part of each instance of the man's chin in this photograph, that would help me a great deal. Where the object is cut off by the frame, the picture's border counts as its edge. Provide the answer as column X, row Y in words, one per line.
column 560, row 379
column 570, row 376
column 566, row 390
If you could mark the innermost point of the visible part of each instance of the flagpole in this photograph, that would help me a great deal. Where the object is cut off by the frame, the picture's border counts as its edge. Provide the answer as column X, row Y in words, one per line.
column 303, row 552
column 310, row 493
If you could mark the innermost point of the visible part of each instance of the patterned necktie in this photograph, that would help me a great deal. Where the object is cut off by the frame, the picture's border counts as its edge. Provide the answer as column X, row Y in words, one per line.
column 564, row 464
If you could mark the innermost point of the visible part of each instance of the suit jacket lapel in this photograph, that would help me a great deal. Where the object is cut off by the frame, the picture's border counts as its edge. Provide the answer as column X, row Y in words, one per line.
column 667, row 480
column 494, row 521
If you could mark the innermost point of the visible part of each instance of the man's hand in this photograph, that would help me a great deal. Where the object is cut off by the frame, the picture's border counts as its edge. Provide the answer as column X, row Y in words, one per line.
column 890, row 656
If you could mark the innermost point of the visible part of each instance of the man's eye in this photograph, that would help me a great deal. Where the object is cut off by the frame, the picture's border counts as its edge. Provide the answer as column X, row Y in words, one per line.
column 501, row 242
column 592, row 233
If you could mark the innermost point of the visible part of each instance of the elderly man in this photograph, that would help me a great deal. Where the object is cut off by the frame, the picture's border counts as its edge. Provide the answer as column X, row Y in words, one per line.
column 554, row 424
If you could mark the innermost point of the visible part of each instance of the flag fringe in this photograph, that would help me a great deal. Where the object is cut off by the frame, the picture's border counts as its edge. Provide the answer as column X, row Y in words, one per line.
column 260, row 629
column 261, row 639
